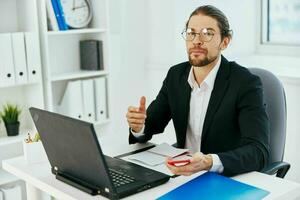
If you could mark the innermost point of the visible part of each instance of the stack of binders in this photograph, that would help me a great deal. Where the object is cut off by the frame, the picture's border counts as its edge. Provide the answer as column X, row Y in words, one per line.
column 56, row 16
column 85, row 100
column 19, row 58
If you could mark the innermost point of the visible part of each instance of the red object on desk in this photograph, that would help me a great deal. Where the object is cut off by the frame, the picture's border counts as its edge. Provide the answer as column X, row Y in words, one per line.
column 178, row 162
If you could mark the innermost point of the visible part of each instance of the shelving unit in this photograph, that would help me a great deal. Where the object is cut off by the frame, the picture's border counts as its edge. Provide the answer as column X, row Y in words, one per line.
column 19, row 16
column 58, row 63
column 6, row 177
column 4, row 140
column 77, row 75
column 61, row 54
column 78, row 31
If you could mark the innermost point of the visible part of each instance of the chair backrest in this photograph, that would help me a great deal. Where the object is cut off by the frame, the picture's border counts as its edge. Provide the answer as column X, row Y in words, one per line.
column 276, row 109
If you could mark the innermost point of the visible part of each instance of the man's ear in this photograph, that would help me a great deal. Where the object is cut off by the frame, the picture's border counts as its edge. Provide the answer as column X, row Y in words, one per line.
column 224, row 44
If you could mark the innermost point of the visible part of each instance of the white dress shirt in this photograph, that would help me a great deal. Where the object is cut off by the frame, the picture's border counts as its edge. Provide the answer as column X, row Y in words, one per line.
column 200, row 96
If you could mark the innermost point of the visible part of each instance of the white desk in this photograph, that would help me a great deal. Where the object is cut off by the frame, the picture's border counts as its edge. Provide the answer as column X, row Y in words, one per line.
column 38, row 177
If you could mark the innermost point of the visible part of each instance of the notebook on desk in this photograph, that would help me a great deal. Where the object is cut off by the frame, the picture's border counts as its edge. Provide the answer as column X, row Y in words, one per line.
column 211, row 186
column 76, row 158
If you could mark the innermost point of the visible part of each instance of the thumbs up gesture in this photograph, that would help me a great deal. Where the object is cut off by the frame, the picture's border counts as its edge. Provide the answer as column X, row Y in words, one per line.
column 136, row 116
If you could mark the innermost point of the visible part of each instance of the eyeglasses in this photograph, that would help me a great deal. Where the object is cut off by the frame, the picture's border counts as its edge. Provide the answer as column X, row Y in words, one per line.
column 205, row 34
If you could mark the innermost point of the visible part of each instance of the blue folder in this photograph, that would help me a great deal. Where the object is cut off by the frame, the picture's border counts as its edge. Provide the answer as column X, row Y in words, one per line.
column 212, row 186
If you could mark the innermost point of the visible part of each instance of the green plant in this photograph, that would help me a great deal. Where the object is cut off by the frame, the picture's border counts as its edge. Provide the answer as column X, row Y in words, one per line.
column 10, row 113
column 36, row 137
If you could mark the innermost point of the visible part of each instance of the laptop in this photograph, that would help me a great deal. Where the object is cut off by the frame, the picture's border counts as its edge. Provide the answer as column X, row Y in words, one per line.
column 76, row 158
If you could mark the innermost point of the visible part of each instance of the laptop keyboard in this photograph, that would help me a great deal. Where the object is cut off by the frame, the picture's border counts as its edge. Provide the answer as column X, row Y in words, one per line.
column 120, row 178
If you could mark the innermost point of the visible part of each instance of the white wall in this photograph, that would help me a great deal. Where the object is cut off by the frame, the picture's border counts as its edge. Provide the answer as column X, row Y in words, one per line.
column 292, row 87
column 127, row 58
column 146, row 41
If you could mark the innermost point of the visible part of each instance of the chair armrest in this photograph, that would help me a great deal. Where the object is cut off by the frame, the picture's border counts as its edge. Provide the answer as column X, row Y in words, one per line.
column 278, row 168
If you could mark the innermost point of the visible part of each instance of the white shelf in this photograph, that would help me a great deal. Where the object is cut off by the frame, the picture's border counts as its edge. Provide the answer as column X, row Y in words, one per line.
column 5, row 140
column 77, row 31
column 78, row 74
column 20, row 84
column 102, row 122
column 6, row 177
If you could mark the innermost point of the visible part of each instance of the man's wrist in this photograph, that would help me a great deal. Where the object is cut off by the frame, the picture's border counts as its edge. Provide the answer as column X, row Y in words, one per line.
column 137, row 134
column 136, row 131
column 208, row 161
column 217, row 165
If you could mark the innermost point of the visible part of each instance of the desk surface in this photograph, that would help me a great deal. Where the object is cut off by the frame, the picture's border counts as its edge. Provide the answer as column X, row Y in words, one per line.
column 39, row 175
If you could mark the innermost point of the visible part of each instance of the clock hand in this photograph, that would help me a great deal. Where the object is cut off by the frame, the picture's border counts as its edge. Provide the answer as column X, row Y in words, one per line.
column 73, row 5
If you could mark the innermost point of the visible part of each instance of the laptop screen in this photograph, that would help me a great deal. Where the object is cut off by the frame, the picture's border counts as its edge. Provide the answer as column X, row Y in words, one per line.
column 72, row 147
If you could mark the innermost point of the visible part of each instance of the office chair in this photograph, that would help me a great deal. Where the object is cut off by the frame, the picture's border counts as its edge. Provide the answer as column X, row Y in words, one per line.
column 276, row 109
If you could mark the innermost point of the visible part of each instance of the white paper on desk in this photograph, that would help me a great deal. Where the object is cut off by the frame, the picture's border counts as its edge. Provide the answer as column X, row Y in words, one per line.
column 160, row 168
column 147, row 158
column 157, row 155
column 165, row 150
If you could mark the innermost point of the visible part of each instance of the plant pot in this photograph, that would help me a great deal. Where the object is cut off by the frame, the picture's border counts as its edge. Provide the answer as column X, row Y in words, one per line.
column 12, row 129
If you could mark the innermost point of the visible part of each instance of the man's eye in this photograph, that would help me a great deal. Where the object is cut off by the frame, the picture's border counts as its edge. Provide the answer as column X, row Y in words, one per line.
column 191, row 33
column 208, row 33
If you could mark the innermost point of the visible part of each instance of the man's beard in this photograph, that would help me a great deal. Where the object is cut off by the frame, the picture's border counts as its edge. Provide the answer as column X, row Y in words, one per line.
column 201, row 62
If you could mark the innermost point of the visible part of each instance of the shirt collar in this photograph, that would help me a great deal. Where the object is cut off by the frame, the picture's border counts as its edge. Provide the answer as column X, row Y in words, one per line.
column 209, row 79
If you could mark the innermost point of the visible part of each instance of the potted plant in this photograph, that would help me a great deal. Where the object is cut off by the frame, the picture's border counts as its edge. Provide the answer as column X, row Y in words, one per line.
column 10, row 116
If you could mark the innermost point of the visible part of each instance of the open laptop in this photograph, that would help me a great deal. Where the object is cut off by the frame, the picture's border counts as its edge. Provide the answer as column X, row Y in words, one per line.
column 76, row 158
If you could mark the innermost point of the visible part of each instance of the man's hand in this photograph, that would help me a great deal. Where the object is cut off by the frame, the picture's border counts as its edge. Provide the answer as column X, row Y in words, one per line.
column 136, row 116
column 198, row 163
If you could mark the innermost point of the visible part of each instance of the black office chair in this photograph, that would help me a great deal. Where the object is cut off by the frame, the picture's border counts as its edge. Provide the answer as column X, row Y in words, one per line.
column 276, row 108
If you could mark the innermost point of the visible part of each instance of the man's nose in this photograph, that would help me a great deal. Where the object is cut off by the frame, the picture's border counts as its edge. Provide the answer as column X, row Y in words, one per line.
column 197, row 39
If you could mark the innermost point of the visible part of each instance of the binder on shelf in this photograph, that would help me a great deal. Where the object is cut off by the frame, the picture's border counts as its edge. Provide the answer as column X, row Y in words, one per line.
column 7, row 69
column 19, row 55
column 88, row 100
column 214, row 186
column 101, row 99
column 33, row 57
column 51, row 16
column 72, row 103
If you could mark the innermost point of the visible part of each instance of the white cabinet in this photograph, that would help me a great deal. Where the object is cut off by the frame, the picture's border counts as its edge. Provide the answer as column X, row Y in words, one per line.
column 22, row 62
column 61, row 58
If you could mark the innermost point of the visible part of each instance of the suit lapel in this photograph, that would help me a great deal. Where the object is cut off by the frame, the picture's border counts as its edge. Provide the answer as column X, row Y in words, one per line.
column 184, row 106
column 220, row 87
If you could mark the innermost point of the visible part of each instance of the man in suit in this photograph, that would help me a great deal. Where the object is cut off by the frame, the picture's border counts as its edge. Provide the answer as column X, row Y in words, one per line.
column 216, row 106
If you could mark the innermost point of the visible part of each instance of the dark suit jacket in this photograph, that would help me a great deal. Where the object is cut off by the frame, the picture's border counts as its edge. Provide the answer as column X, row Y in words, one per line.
column 236, row 125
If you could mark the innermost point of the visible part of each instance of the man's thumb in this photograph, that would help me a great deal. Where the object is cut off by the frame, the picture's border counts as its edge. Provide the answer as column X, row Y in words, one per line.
column 142, row 107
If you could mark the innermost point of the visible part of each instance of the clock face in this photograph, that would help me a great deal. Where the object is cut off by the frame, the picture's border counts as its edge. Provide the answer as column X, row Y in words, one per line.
column 78, row 13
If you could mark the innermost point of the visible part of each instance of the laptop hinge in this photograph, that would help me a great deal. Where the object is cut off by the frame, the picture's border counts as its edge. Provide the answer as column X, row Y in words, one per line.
column 78, row 183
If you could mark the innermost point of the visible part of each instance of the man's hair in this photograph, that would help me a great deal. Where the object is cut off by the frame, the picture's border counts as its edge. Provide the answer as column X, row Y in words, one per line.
column 218, row 15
